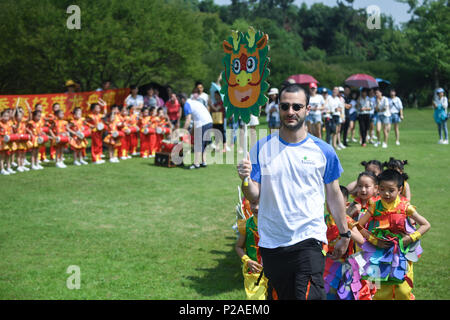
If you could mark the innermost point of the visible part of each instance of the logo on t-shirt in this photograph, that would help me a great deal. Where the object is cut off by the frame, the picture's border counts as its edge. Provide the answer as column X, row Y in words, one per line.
column 306, row 161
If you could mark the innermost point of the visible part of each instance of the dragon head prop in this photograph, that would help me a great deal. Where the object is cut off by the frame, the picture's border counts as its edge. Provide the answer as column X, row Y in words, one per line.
column 246, row 70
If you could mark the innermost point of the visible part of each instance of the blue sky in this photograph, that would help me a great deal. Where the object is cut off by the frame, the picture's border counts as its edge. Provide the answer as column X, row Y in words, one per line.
column 399, row 11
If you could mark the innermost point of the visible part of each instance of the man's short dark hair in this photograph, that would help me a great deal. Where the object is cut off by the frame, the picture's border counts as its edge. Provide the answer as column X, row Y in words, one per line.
column 133, row 86
column 295, row 87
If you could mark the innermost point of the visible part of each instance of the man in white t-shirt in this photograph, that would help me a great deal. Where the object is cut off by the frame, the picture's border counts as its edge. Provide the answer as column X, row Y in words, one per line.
column 195, row 111
column 396, row 108
column 289, row 172
column 315, row 115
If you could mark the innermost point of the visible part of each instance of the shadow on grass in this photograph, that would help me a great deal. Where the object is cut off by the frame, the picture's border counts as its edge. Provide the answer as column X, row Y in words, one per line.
column 223, row 278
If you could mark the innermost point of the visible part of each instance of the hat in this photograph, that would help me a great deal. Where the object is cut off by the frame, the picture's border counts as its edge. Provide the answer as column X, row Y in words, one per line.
column 341, row 89
column 439, row 90
column 324, row 90
column 70, row 83
column 273, row 91
column 313, row 85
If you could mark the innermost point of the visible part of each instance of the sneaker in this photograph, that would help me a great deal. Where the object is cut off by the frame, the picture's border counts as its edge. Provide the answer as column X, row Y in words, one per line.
column 384, row 145
column 192, row 167
column 40, row 167
column 20, row 169
column 342, row 146
column 129, row 157
column 135, row 154
column 203, row 165
column 11, row 171
column 338, row 148
column 46, row 160
column 123, row 158
column 25, row 168
column 99, row 162
column 76, row 163
column 26, row 162
column 439, row 142
column 35, row 168
column 445, row 142
column 397, row 143
column 228, row 149
column 364, row 145
column 13, row 164
column 376, row 144
column 58, row 165
column 354, row 140
column 4, row 173
column 83, row 162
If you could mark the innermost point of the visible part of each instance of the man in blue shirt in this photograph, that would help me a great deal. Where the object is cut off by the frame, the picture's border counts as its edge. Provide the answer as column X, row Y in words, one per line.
column 289, row 172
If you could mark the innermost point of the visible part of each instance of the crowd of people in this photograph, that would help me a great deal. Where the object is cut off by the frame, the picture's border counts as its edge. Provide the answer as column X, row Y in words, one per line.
column 333, row 116
column 363, row 248
column 337, row 114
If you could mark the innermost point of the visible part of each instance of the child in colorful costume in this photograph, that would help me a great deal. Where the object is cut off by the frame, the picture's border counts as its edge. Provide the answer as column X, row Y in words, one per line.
column 60, row 135
column 5, row 147
column 374, row 166
column 399, row 165
column 144, row 126
column 366, row 190
column 255, row 283
column 342, row 278
column 122, row 119
column 78, row 141
column 393, row 243
column 112, row 138
column 96, row 124
column 34, row 129
column 20, row 128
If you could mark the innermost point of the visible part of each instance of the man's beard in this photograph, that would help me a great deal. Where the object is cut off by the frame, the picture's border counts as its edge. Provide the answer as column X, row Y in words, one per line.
column 293, row 127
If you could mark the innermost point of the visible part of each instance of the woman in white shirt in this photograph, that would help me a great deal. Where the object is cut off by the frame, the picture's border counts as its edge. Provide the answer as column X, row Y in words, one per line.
column 384, row 117
column 364, row 107
column 335, row 107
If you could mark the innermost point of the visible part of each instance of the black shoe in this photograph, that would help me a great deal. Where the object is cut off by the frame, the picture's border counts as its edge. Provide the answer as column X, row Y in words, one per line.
column 203, row 165
column 192, row 167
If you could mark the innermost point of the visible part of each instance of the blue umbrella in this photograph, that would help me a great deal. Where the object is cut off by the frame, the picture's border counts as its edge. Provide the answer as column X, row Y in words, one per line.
column 382, row 80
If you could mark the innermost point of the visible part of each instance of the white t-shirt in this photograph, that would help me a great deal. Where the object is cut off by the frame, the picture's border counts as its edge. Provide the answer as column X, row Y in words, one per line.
column 373, row 103
column 333, row 104
column 292, row 179
column 353, row 108
column 200, row 114
column 203, row 98
column 395, row 105
column 364, row 103
column 316, row 102
column 327, row 110
column 139, row 100
column 383, row 107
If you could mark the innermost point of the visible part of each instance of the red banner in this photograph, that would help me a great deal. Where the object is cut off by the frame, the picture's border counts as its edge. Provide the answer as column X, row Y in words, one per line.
column 67, row 101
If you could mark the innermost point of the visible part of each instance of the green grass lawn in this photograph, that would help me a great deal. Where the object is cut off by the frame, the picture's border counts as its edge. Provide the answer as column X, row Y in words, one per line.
column 138, row 231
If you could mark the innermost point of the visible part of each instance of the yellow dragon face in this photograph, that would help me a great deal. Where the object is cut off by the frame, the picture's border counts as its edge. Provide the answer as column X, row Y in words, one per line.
column 245, row 73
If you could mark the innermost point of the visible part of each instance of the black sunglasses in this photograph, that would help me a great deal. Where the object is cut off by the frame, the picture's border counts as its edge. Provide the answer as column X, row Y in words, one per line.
column 296, row 106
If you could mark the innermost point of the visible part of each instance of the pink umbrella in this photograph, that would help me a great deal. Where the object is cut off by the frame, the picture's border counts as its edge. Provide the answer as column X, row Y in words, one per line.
column 361, row 80
column 303, row 78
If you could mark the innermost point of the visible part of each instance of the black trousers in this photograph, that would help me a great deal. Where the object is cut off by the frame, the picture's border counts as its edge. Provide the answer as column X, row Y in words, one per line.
column 296, row 272
column 364, row 125
column 344, row 129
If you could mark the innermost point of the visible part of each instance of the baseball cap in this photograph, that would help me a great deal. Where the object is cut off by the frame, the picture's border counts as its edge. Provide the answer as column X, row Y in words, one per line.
column 439, row 90
column 273, row 91
column 341, row 89
column 313, row 85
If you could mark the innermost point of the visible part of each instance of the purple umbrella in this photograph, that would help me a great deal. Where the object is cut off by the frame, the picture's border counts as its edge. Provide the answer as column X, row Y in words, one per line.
column 361, row 80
